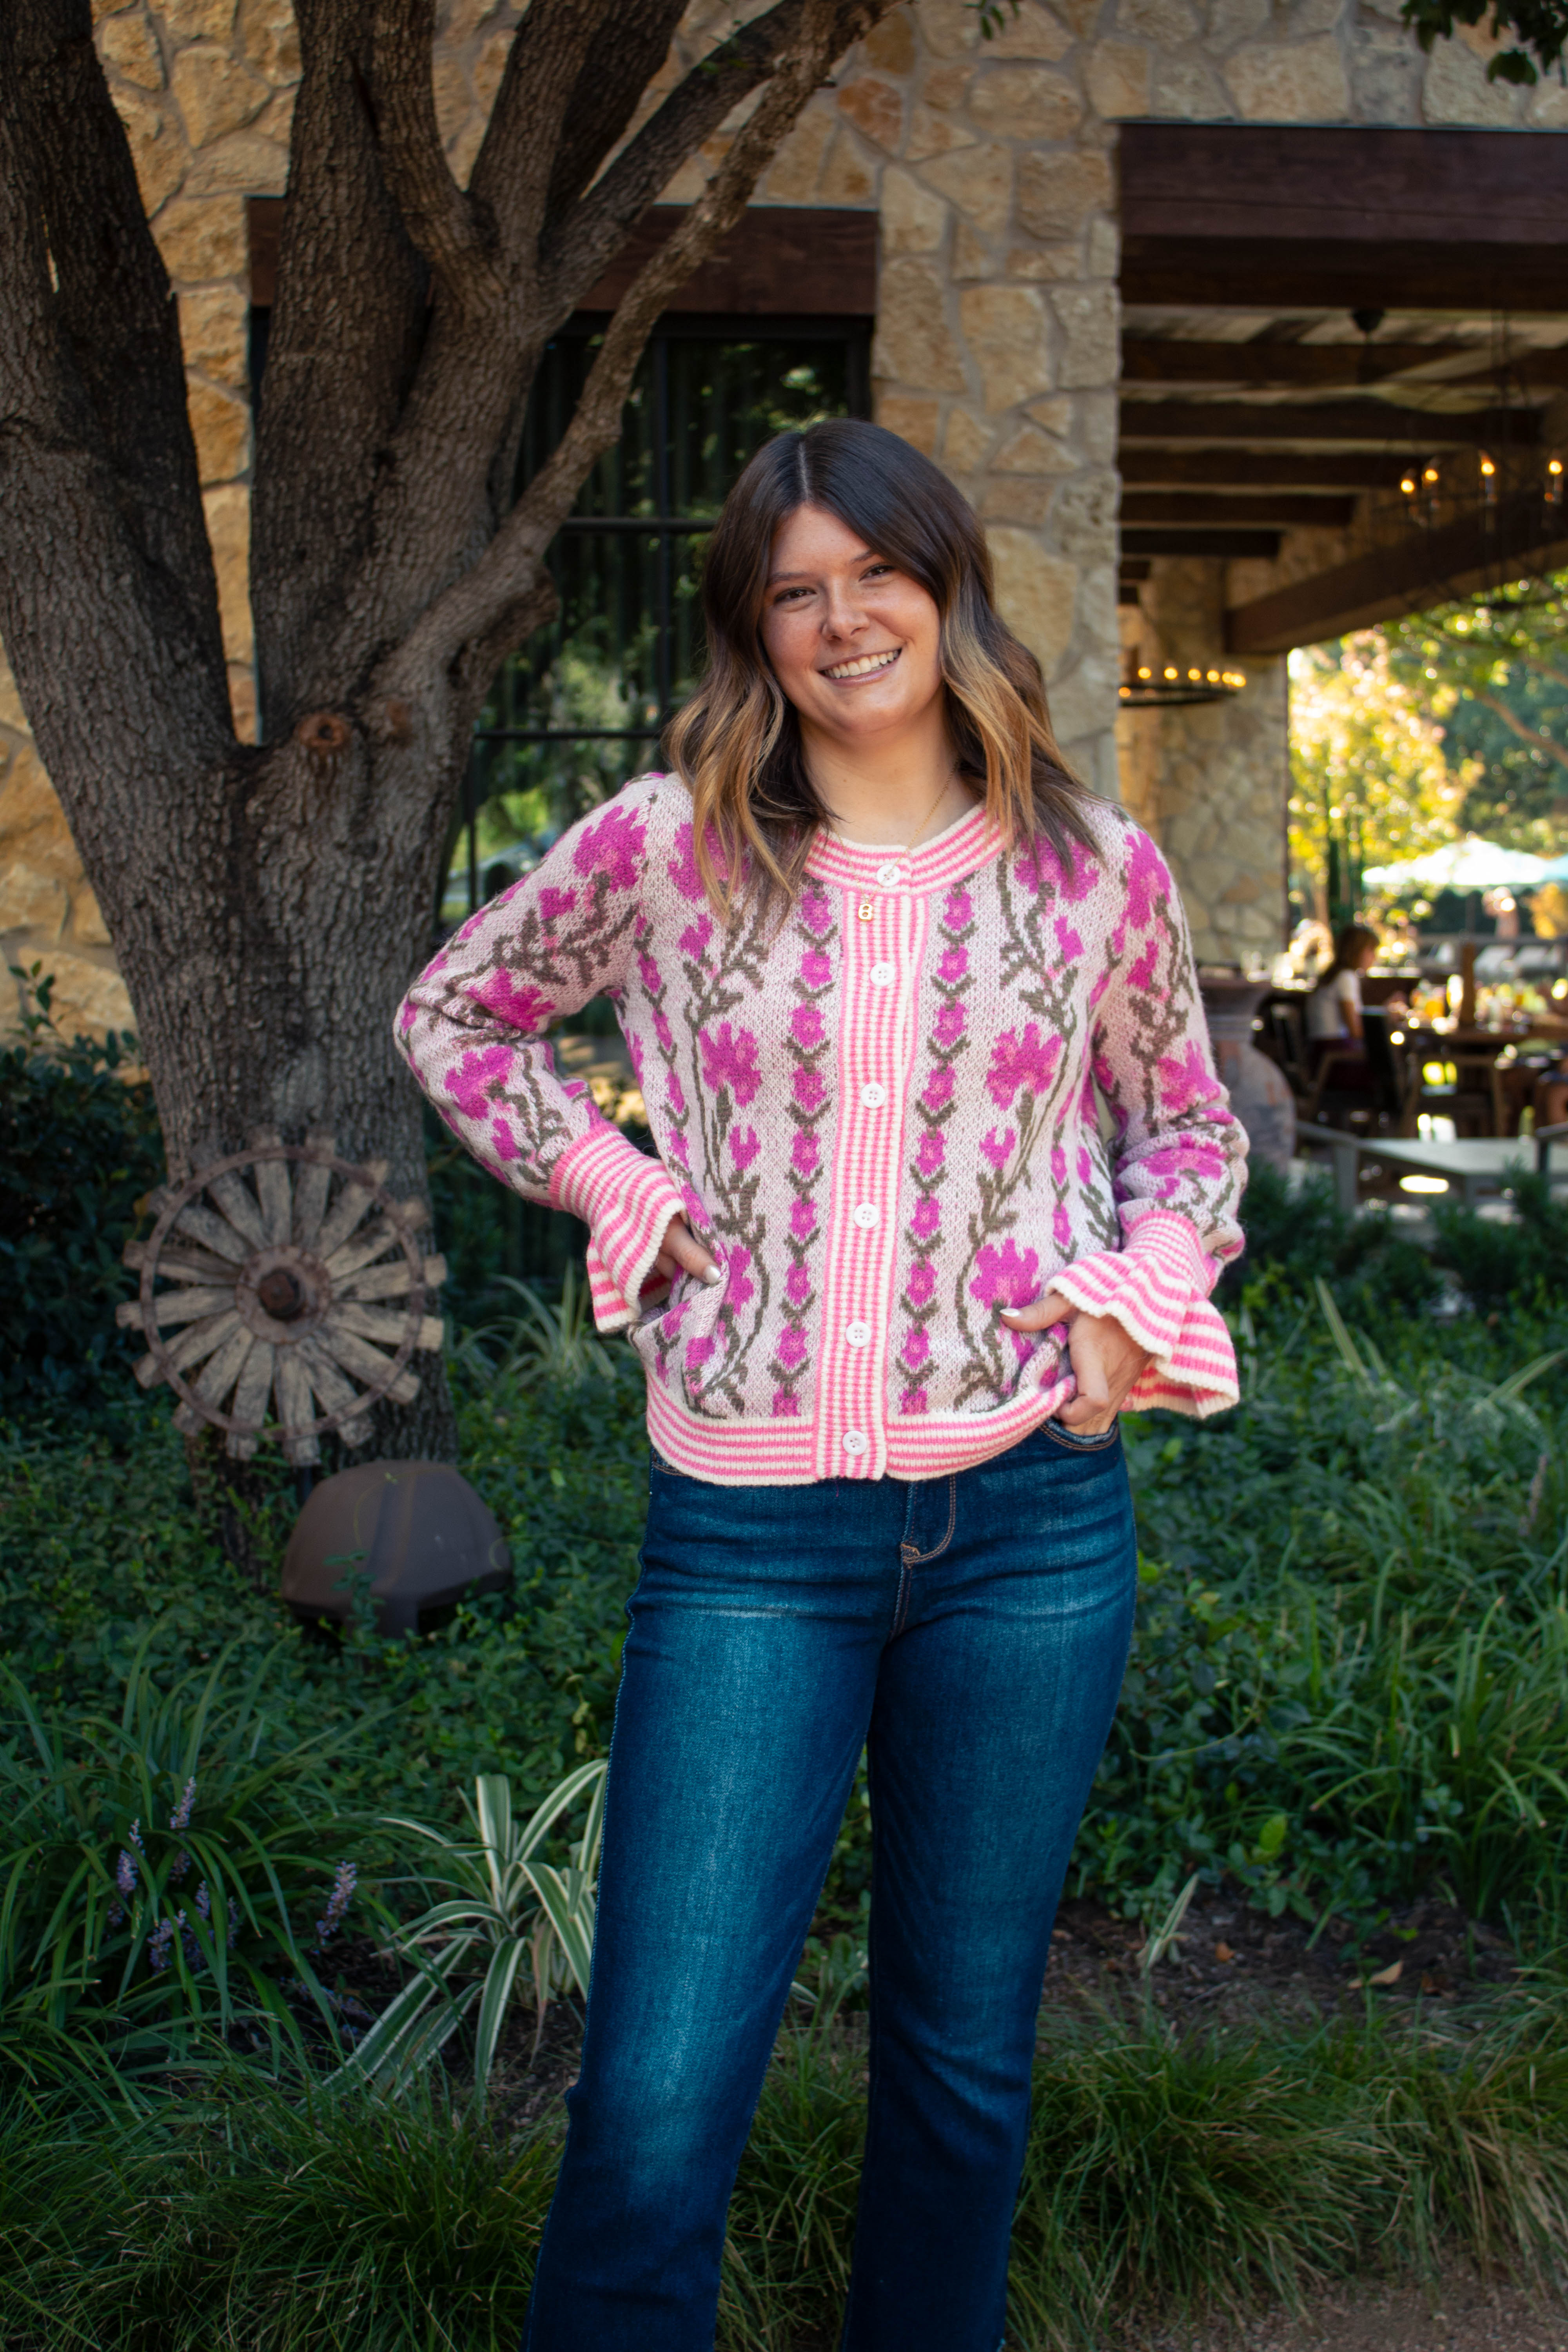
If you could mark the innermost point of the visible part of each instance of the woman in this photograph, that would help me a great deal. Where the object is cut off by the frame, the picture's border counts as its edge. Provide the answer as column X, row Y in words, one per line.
column 1334, row 1007
column 878, row 959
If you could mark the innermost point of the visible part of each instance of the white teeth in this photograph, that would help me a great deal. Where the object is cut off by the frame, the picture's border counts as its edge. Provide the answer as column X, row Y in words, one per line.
column 867, row 663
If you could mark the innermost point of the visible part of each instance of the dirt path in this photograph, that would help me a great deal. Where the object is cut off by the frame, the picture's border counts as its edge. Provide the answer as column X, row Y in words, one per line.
column 1458, row 2313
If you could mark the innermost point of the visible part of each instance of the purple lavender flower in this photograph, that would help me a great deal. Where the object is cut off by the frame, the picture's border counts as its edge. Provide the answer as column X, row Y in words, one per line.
column 125, row 1871
column 344, row 1880
column 158, row 1944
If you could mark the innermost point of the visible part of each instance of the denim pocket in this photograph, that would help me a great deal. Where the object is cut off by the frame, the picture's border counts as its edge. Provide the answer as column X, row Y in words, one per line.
column 1094, row 1442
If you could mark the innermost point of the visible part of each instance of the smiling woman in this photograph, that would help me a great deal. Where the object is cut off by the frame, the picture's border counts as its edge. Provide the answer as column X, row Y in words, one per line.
column 879, row 960
column 842, row 546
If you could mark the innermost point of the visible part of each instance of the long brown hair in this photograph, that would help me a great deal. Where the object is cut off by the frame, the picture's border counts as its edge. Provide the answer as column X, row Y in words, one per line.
column 736, row 745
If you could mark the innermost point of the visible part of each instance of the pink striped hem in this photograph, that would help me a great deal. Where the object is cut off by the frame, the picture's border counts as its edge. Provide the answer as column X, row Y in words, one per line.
column 784, row 1453
column 627, row 1200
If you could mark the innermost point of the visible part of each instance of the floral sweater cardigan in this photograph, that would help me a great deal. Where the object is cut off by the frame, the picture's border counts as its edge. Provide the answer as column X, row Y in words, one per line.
column 882, row 1118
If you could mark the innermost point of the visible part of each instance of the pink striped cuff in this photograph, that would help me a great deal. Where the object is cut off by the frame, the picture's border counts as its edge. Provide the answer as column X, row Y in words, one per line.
column 627, row 1200
column 1157, row 1287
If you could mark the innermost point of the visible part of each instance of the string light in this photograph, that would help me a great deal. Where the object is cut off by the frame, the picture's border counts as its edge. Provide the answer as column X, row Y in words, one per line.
column 1488, row 480
column 1554, row 481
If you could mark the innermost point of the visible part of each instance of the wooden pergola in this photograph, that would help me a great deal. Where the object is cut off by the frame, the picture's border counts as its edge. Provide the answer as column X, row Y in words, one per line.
column 1309, row 315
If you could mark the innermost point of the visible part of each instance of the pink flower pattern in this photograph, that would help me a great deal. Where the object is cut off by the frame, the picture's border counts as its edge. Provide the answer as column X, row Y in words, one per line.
column 1050, row 993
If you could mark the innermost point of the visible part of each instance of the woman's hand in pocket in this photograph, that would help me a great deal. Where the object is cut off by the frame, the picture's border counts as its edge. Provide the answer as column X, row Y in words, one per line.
column 682, row 1253
column 1105, row 1360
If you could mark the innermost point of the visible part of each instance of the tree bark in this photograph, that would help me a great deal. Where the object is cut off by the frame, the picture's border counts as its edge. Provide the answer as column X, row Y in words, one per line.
column 268, row 904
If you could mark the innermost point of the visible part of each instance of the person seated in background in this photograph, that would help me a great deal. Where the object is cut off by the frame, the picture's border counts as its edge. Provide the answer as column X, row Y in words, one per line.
column 1334, row 1010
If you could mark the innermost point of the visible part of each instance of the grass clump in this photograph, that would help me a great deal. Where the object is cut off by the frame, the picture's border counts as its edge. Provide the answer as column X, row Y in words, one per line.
column 1165, row 2177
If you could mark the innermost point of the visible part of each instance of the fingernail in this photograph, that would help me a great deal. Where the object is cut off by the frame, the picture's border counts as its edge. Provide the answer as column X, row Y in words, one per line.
column 712, row 1277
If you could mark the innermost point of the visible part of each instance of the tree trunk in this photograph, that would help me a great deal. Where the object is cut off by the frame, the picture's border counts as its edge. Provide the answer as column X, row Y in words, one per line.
column 270, row 906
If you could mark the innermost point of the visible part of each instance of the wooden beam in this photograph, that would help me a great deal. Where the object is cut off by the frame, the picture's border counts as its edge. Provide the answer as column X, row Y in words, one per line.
column 1135, row 567
column 1259, row 469
column 1302, row 186
column 1260, row 273
column 1171, row 360
column 779, row 260
column 1284, row 511
column 1409, row 576
column 1374, row 423
column 1163, row 541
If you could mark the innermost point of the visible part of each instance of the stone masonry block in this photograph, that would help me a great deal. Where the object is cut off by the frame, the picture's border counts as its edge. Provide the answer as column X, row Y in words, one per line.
column 1026, row 102
column 979, row 180
column 1056, row 193
column 913, row 220
column 1037, row 593
column 1299, row 82
column 1088, row 316
column 914, row 345
column 1006, row 329
column 129, row 47
column 203, row 238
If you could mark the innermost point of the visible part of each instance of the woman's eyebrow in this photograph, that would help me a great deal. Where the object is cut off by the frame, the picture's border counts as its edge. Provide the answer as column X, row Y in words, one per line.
column 774, row 578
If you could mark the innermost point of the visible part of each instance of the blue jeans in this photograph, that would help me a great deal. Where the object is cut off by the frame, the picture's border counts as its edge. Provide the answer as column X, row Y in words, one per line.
column 971, row 1633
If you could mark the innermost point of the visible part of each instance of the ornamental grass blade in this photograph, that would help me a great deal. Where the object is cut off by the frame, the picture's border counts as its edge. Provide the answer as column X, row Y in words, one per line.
column 560, row 1800
column 1340, row 1335
column 494, row 2003
column 566, row 1898
column 403, row 2037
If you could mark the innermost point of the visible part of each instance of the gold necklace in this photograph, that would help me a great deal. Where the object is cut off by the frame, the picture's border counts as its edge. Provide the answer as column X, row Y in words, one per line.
column 865, row 911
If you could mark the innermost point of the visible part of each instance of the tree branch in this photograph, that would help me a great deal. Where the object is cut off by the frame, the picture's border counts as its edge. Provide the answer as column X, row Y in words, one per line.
column 114, row 309
column 579, row 249
column 517, row 156
column 443, row 223
column 627, row 53
column 469, row 609
column 126, row 701
column 1531, row 735
column 348, row 326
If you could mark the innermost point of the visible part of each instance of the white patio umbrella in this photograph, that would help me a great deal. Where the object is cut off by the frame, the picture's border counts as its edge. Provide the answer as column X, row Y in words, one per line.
column 1468, row 865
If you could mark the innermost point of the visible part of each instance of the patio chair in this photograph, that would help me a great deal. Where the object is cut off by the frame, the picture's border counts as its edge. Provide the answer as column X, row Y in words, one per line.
column 1474, row 1101
column 1378, row 1104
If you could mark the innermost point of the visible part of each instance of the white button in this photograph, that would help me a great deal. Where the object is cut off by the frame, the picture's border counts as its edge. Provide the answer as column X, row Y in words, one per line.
column 883, row 975
column 873, row 1096
column 855, row 1442
column 857, row 1334
column 867, row 1215
column 887, row 875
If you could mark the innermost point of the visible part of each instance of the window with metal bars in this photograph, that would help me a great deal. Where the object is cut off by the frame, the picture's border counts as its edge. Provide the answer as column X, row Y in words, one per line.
column 581, row 707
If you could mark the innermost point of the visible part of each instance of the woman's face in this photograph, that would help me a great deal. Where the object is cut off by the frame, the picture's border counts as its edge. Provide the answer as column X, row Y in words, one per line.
column 854, row 642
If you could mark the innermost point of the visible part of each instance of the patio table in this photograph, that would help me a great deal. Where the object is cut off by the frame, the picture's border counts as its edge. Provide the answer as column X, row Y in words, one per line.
column 1479, row 1165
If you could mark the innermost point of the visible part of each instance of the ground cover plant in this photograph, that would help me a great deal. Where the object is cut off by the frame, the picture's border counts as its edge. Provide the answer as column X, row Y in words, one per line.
column 1346, row 1695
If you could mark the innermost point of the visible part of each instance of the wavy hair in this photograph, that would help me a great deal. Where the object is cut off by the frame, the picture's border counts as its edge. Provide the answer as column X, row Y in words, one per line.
column 736, row 745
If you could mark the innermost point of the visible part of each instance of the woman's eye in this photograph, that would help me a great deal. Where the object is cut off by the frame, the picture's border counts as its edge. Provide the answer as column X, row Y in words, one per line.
column 878, row 571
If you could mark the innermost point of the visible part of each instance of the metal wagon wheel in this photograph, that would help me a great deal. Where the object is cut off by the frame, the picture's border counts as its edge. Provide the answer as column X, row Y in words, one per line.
column 279, row 1284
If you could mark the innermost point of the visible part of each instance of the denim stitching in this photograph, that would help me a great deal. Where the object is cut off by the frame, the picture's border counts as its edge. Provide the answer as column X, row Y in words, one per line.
column 907, row 1552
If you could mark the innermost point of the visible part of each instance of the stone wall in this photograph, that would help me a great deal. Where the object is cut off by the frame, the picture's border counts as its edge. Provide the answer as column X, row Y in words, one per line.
column 990, row 166
column 1210, row 781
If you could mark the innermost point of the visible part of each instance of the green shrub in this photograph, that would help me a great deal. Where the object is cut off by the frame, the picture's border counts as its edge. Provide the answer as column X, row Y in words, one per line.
column 79, row 1145
column 165, row 1874
column 1525, row 1261
column 1296, row 1233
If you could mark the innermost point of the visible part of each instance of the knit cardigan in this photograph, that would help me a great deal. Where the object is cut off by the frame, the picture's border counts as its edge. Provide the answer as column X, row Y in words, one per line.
column 943, row 1082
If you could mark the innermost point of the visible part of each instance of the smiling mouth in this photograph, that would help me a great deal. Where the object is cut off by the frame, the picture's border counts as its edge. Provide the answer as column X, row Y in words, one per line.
column 865, row 665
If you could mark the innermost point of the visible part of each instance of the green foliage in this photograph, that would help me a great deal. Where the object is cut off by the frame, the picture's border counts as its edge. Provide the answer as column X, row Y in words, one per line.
column 512, row 1906
column 79, row 1145
column 164, row 1872
column 1492, row 674
column 1295, row 1232
column 1172, row 2176
column 1497, row 1264
column 1540, row 28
